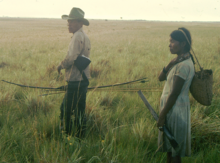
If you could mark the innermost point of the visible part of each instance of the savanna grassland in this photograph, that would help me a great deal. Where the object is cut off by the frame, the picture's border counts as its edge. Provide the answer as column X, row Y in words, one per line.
column 119, row 126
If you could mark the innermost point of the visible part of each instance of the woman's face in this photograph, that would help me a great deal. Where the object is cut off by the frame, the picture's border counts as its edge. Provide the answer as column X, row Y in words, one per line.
column 176, row 47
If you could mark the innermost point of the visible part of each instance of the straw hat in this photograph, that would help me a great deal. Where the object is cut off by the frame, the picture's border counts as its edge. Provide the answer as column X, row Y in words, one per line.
column 76, row 14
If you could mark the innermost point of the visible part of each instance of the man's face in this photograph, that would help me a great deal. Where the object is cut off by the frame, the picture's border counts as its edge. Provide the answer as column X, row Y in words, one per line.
column 73, row 25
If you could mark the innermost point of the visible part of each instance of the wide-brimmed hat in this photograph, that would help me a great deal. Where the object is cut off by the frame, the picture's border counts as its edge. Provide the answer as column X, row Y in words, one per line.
column 76, row 14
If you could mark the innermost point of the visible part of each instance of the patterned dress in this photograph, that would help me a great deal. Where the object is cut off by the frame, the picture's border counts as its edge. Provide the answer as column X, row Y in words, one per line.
column 178, row 118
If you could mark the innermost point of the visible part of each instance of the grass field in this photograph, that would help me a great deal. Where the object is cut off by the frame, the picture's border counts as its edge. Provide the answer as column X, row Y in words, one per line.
column 119, row 127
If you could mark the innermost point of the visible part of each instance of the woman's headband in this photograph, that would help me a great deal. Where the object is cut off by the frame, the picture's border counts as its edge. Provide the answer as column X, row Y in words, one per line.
column 187, row 39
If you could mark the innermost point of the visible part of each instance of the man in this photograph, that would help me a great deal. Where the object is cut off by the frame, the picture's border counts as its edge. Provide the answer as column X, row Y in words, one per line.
column 74, row 101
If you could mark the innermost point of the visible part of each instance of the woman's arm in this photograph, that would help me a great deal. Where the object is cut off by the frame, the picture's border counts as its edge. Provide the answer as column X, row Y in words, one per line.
column 177, row 87
column 174, row 61
column 163, row 73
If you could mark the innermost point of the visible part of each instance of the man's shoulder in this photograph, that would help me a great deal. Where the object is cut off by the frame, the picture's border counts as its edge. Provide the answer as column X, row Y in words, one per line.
column 78, row 35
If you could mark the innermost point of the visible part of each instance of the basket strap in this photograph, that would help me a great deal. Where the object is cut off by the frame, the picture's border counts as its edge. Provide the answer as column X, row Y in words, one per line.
column 191, row 48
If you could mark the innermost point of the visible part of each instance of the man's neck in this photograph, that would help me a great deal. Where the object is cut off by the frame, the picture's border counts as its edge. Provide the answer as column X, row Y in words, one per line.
column 78, row 29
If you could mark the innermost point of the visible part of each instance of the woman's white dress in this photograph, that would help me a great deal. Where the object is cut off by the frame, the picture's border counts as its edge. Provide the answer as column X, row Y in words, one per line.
column 178, row 118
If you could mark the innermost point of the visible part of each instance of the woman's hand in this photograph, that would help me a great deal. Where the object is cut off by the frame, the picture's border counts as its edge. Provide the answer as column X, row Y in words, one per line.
column 161, row 123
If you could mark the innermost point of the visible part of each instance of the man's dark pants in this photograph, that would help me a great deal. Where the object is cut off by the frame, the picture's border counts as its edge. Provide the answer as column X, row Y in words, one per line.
column 74, row 103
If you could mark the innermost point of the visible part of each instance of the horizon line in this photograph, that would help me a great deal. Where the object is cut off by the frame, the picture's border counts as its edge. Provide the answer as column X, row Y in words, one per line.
column 106, row 19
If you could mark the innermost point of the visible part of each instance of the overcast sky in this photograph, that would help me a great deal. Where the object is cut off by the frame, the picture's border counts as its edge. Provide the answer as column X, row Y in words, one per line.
column 169, row 10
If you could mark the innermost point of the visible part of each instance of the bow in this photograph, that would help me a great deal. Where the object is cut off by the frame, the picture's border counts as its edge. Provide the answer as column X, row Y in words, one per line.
column 63, row 88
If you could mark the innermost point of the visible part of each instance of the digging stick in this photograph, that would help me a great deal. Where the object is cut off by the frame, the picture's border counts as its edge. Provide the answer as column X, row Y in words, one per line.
column 171, row 139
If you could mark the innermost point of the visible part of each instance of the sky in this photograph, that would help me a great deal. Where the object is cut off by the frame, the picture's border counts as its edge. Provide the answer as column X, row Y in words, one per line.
column 162, row 10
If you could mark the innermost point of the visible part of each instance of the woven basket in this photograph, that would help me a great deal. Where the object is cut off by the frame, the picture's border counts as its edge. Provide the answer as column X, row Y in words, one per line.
column 201, row 87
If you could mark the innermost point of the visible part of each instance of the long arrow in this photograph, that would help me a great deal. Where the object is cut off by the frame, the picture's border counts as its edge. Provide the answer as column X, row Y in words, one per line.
column 170, row 137
column 113, row 85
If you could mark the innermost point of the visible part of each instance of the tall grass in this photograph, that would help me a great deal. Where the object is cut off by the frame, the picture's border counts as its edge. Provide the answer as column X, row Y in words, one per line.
column 119, row 127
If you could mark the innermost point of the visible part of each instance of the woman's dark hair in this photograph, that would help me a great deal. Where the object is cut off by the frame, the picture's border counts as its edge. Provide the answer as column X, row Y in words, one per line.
column 183, row 35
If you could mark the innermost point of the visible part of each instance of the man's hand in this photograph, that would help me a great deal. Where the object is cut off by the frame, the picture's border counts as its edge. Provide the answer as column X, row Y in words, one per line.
column 59, row 69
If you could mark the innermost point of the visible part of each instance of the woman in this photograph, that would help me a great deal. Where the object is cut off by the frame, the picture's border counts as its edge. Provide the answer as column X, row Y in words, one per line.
column 175, row 107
